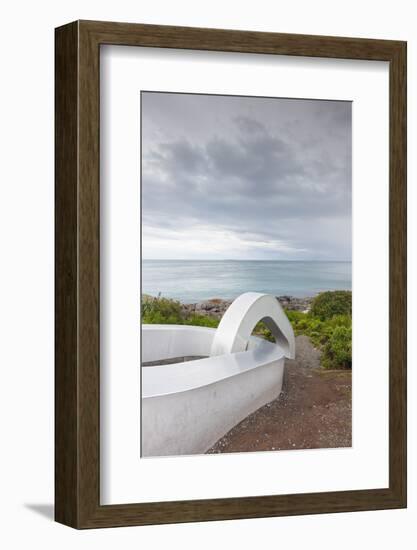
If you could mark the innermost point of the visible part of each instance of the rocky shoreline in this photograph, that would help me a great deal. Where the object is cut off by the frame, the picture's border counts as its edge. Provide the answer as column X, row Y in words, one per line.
column 215, row 307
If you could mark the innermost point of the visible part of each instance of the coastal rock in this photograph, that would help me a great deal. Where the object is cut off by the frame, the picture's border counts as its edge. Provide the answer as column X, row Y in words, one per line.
column 295, row 304
column 215, row 307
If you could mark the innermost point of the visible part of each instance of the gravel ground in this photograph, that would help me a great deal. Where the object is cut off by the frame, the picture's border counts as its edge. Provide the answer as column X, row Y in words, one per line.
column 314, row 410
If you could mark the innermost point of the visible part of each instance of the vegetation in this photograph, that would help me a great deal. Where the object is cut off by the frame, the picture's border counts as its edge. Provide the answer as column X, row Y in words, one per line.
column 161, row 311
column 328, row 304
column 338, row 349
column 202, row 321
column 328, row 324
column 164, row 311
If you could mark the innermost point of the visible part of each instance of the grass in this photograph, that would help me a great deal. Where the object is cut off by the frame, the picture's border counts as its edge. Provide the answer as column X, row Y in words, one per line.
column 163, row 311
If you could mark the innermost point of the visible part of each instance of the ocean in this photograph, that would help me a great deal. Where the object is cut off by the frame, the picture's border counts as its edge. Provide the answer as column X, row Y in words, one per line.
column 192, row 281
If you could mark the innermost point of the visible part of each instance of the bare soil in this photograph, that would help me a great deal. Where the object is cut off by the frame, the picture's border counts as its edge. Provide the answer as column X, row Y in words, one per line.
column 313, row 411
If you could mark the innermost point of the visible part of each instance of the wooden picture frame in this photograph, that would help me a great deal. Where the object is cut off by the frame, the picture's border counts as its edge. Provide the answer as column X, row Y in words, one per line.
column 77, row 363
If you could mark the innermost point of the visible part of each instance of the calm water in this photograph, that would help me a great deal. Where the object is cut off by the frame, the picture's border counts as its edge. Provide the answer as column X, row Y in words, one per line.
column 194, row 281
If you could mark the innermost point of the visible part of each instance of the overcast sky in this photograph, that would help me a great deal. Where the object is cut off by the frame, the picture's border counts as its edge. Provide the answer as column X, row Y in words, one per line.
column 228, row 177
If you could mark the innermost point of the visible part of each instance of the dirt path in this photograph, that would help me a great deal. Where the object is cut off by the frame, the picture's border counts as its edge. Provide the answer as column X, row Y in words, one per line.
column 313, row 411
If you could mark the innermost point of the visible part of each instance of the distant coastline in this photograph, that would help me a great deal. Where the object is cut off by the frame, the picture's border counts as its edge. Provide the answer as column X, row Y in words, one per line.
column 216, row 307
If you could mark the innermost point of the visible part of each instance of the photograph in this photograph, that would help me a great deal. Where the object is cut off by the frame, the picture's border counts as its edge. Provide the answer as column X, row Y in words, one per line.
column 208, row 265
column 246, row 274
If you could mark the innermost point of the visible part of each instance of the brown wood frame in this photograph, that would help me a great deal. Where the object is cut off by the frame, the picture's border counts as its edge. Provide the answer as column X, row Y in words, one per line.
column 77, row 370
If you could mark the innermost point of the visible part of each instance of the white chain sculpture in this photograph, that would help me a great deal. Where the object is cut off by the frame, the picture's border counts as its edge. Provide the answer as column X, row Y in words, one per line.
column 235, row 328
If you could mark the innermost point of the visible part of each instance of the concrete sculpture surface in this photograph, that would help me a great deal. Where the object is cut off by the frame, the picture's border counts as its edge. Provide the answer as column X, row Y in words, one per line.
column 187, row 406
column 237, row 324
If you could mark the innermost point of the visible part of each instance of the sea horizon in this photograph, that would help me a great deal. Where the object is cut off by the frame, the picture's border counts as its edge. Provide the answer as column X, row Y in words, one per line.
column 194, row 280
column 237, row 260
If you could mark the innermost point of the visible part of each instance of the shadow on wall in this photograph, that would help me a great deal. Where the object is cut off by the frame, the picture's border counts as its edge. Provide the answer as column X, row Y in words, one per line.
column 45, row 510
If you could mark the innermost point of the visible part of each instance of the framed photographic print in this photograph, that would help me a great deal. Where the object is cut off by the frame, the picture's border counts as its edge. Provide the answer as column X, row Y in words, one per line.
column 230, row 274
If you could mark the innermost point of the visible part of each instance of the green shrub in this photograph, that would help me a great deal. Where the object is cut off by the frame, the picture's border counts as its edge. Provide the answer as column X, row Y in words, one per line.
column 161, row 311
column 295, row 316
column 331, row 334
column 327, row 304
column 262, row 330
column 201, row 321
column 337, row 353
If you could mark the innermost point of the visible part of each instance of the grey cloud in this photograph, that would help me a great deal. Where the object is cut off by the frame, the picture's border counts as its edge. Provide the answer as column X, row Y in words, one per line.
column 261, row 172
